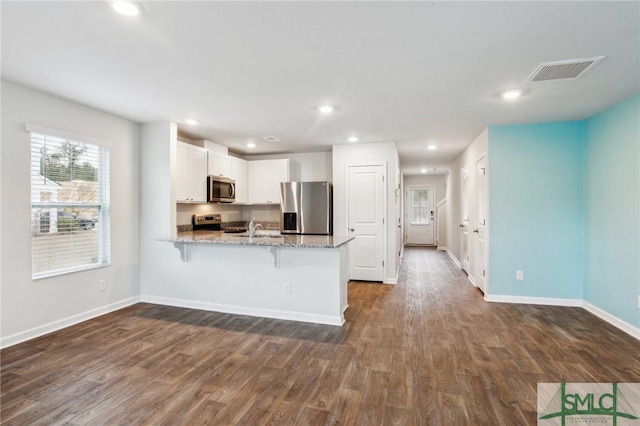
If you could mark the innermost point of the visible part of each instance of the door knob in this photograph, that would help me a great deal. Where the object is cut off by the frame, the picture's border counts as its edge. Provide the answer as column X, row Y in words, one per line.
column 476, row 231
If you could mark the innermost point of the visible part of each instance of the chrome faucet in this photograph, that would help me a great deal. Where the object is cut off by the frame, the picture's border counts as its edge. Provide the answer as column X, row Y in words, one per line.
column 253, row 227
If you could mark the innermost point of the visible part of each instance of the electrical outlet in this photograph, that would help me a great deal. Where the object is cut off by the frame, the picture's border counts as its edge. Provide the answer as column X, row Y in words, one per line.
column 286, row 288
column 519, row 275
column 103, row 285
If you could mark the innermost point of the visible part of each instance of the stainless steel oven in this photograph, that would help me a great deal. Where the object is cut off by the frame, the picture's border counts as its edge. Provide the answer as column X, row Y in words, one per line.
column 220, row 189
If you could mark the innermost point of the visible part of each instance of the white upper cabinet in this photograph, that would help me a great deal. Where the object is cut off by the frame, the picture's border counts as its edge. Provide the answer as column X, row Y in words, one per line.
column 191, row 176
column 220, row 165
column 239, row 174
column 264, row 180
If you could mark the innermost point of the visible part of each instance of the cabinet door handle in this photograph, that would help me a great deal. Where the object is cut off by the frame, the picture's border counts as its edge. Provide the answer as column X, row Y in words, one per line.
column 475, row 231
column 352, row 229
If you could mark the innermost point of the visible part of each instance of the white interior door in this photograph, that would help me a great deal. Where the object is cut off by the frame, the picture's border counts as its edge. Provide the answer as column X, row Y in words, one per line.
column 480, row 231
column 419, row 214
column 464, row 224
column 366, row 206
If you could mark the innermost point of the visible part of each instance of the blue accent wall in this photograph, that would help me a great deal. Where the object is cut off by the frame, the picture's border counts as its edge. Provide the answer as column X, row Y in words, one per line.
column 612, row 210
column 536, row 210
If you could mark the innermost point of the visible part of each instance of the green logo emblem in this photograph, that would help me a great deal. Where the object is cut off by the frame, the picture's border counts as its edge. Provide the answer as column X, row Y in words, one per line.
column 589, row 402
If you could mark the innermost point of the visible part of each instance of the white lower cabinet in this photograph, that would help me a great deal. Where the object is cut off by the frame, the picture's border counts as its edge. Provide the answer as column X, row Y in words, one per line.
column 191, row 176
column 264, row 180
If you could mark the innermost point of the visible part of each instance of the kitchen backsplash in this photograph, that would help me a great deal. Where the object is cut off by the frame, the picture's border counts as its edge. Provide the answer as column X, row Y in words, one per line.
column 231, row 213
column 266, row 225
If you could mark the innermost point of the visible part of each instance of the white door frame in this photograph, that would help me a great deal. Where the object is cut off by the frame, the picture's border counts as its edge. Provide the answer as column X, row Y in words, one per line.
column 385, row 199
column 481, row 224
column 407, row 223
column 465, row 224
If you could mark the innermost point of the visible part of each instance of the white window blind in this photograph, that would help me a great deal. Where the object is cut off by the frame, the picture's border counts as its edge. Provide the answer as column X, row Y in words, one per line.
column 70, row 220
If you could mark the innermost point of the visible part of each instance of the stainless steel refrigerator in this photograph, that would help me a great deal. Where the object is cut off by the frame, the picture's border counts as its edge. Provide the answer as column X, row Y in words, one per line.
column 306, row 208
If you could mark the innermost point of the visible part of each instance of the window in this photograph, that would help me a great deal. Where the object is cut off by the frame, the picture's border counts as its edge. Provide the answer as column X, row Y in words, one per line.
column 420, row 214
column 70, row 224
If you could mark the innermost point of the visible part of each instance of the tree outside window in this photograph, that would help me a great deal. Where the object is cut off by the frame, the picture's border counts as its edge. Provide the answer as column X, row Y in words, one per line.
column 69, row 205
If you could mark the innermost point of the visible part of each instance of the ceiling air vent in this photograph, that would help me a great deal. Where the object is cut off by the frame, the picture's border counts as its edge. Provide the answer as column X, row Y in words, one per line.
column 271, row 139
column 563, row 70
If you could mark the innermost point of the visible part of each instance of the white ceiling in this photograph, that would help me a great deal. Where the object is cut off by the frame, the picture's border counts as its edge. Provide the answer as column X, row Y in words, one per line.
column 414, row 73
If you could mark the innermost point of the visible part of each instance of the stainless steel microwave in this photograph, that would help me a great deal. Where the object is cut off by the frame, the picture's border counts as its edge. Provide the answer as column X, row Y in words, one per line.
column 220, row 189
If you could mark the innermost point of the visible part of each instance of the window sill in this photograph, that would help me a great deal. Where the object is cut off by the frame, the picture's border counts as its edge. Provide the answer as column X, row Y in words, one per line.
column 66, row 271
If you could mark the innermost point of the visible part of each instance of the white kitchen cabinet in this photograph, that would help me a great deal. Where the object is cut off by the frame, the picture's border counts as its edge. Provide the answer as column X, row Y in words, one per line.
column 264, row 180
column 191, row 176
column 239, row 174
column 220, row 165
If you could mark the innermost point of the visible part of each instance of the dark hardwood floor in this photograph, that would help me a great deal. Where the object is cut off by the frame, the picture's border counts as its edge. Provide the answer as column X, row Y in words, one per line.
column 426, row 351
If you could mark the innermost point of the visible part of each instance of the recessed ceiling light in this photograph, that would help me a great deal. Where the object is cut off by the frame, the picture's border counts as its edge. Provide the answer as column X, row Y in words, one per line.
column 326, row 109
column 353, row 139
column 511, row 94
column 432, row 147
column 251, row 145
column 127, row 8
column 191, row 121
column 423, row 170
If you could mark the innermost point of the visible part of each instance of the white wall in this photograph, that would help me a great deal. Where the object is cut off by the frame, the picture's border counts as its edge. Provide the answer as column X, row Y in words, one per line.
column 31, row 308
column 364, row 154
column 454, row 201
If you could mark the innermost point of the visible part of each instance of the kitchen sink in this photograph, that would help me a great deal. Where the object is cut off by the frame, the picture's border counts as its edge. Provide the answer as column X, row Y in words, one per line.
column 260, row 235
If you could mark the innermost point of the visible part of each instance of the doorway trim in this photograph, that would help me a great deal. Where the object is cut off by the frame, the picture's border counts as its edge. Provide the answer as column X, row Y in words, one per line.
column 407, row 222
column 385, row 200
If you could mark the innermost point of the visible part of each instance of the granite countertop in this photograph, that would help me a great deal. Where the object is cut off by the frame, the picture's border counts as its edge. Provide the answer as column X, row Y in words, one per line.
column 262, row 238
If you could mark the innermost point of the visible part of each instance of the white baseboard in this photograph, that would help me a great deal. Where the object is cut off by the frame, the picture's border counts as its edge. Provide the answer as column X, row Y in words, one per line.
column 392, row 280
column 615, row 321
column 442, row 248
column 456, row 261
column 528, row 300
column 472, row 280
column 32, row 333
column 245, row 310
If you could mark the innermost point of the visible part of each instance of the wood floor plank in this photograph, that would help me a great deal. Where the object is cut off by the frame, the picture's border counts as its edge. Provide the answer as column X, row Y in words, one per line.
column 374, row 401
column 345, row 408
column 427, row 351
column 204, row 412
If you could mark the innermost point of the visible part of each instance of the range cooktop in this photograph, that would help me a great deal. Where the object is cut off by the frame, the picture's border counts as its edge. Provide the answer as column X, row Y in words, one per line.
column 211, row 222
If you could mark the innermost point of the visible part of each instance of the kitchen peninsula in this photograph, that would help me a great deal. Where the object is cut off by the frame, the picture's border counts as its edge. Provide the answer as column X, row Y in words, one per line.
column 293, row 277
